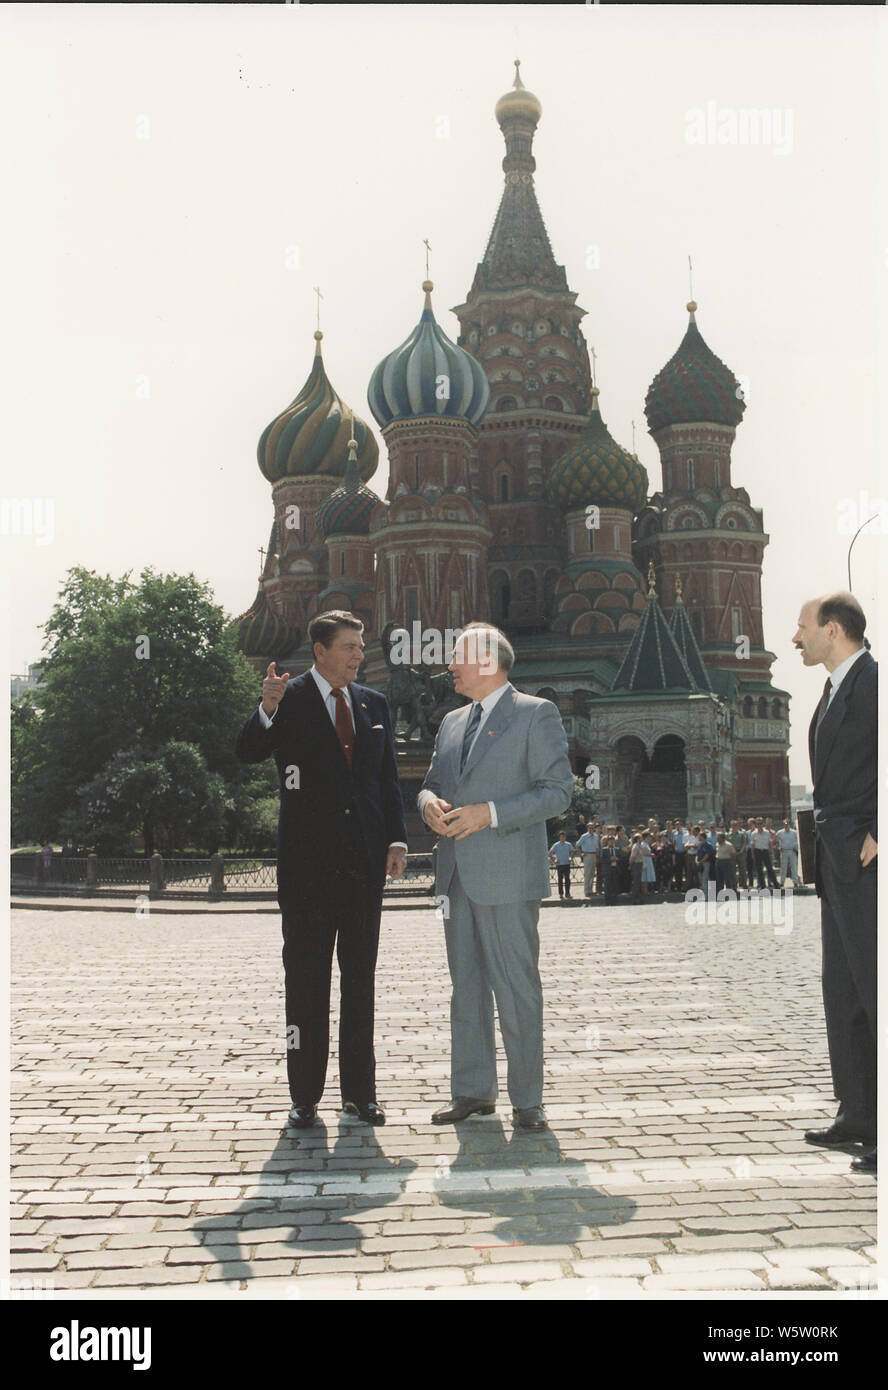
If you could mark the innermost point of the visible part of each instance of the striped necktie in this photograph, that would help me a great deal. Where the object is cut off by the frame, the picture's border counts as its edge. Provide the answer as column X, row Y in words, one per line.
column 474, row 721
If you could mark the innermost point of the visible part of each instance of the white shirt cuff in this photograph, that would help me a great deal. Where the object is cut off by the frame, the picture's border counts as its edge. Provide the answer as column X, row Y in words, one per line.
column 493, row 820
column 266, row 719
column 397, row 844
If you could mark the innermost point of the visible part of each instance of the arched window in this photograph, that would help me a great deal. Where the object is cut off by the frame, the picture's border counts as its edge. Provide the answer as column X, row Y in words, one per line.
column 506, row 403
column 416, row 471
column 342, row 562
column 776, row 709
column 690, row 475
column 762, row 708
column 553, row 403
column 717, row 474
column 747, row 707
column 504, row 487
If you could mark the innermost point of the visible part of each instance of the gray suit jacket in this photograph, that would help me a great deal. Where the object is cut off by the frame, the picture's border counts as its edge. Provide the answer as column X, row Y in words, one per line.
column 519, row 762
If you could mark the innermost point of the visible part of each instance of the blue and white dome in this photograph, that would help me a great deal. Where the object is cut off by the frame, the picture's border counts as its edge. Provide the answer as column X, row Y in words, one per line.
column 428, row 375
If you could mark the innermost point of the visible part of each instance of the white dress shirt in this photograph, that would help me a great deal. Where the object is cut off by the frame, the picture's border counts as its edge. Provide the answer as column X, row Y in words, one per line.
column 838, row 675
column 487, row 705
column 329, row 699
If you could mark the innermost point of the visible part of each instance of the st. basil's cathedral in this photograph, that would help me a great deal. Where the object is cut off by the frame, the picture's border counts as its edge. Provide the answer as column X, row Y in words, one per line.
column 639, row 615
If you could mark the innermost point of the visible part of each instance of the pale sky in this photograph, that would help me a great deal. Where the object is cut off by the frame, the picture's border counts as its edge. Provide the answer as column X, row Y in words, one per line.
column 351, row 133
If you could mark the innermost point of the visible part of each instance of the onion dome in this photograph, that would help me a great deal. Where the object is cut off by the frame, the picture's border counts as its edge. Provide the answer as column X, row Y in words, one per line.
column 518, row 102
column 597, row 470
column 260, row 632
column 346, row 512
column 428, row 375
column 694, row 386
column 311, row 436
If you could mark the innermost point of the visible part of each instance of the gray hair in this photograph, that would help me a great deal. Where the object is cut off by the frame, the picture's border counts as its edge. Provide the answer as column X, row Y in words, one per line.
column 500, row 646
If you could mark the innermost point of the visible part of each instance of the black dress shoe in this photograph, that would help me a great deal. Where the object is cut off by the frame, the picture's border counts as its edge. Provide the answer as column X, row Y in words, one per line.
column 835, row 1135
column 303, row 1116
column 370, row 1112
column 865, row 1163
column 461, row 1108
column 531, row 1117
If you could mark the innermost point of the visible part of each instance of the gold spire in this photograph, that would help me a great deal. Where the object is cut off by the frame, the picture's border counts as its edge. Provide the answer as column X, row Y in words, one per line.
column 678, row 586
column 652, row 591
column 261, row 562
column 320, row 297
column 518, row 83
column 428, row 249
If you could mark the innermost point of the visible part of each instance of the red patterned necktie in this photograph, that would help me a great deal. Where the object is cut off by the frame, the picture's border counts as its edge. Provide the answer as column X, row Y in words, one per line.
column 344, row 727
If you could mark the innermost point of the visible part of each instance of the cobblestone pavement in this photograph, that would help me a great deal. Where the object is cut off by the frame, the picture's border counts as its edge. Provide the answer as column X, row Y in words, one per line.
column 684, row 1062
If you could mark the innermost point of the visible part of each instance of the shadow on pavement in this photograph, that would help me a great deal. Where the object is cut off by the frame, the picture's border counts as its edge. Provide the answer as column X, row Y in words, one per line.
column 308, row 1225
column 527, row 1209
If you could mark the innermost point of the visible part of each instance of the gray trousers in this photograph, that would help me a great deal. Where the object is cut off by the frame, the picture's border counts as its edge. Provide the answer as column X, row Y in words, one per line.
column 493, row 953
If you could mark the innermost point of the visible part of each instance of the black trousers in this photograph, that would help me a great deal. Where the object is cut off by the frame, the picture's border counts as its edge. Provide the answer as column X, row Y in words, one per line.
column 764, row 869
column 563, row 880
column 848, row 931
column 347, row 915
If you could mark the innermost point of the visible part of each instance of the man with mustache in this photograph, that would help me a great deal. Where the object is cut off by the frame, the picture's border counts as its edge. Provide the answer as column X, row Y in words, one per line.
column 842, row 742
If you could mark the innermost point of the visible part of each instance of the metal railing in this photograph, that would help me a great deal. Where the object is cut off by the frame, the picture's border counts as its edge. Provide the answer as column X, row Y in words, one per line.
column 213, row 876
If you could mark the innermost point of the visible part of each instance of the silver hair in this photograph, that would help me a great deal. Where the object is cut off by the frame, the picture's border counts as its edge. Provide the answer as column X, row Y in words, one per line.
column 501, row 648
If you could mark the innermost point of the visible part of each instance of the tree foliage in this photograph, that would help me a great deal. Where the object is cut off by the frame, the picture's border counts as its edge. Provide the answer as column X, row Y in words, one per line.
column 133, row 675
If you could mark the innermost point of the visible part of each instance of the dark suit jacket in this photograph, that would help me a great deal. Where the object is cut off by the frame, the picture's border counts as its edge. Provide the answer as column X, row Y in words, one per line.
column 311, row 844
column 844, row 770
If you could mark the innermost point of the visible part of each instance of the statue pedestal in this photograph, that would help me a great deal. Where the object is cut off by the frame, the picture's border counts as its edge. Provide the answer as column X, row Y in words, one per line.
column 413, row 758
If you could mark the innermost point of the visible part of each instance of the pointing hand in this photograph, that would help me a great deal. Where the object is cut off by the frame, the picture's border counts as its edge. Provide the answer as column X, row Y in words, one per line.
column 273, row 688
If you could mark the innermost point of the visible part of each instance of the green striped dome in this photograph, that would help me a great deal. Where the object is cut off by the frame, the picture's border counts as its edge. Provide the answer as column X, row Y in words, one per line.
column 597, row 470
column 311, row 436
column 260, row 632
column 428, row 375
column 346, row 512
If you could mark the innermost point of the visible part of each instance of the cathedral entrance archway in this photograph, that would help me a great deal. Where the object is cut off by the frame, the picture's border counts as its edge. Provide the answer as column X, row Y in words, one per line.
column 661, row 788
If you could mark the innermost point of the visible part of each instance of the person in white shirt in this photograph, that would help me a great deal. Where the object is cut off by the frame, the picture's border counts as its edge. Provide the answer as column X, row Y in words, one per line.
column 588, row 845
column 788, row 841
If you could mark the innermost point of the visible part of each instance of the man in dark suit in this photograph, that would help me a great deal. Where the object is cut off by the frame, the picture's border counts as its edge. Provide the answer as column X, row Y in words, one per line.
column 842, row 743
column 340, row 832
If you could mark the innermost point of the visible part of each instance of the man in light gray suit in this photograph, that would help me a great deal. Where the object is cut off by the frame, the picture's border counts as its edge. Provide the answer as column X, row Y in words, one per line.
column 499, row 769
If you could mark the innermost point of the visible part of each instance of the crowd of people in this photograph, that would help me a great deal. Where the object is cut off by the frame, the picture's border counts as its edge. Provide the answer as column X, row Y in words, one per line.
column 674, row 856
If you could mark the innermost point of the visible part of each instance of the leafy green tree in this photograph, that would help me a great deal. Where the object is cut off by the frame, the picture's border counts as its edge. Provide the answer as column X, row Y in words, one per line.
column 171, row 799
column 132, row 668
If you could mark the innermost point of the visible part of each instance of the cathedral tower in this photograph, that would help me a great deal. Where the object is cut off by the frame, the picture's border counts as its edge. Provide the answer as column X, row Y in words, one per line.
column 521, row 321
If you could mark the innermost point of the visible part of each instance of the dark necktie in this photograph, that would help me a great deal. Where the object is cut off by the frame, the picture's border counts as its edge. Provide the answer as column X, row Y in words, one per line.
column 823, row 706
column 474, row 721
column 344, row 727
